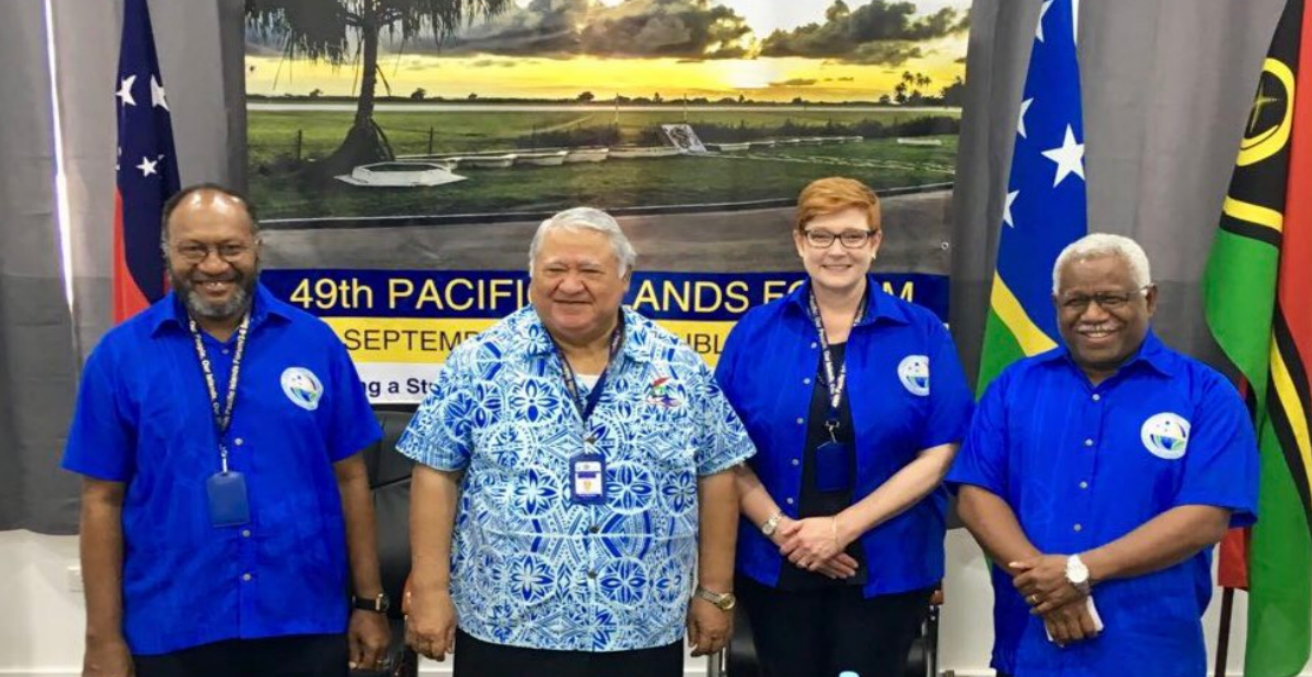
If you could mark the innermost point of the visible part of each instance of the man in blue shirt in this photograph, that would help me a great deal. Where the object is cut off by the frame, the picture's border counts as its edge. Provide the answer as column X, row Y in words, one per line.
column 1098, row 476
column 572, row 479
column 217, row 434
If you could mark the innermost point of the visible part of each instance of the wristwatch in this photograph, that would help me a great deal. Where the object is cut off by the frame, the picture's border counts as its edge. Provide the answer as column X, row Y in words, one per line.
column 725, row 601
column 1077, row 574
column 379, row 604
column 772, row 524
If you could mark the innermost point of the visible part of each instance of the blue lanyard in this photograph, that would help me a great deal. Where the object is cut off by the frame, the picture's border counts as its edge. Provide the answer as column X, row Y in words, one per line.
column 585, row 408
column 835, row 383
column 222, row 416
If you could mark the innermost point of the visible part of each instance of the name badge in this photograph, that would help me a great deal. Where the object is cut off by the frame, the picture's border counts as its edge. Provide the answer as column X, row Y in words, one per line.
column 227, row 499
column 833, row 467
column 588, row 473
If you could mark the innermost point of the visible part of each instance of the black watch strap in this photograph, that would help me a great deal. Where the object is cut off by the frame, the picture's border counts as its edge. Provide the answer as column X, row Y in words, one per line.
column 379, row 604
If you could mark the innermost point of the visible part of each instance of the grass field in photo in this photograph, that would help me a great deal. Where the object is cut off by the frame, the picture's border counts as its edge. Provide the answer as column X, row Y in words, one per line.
column 282, row 143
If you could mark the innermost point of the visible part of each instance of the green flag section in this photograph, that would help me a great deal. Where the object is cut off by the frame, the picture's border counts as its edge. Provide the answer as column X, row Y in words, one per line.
column 1258, row 294
column 1046, row 201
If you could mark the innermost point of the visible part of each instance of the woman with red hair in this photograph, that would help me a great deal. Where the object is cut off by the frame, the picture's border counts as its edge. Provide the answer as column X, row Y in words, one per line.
column 856, row 402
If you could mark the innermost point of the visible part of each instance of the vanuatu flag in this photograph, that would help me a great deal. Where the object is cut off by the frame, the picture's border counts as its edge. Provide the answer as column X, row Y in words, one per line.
column 1046, row 207
column 1258, row 292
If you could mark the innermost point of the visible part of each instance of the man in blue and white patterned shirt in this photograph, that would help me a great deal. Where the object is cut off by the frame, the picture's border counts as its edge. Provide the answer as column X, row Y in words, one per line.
column 571, row 475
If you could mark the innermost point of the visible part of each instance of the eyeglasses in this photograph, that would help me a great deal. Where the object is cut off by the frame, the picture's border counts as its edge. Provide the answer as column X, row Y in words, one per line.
column 851, row 239
column 196, row 252
column 1107, row 300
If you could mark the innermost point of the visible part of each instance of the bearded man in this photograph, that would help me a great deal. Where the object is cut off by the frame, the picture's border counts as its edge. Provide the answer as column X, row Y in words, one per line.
column 224, row 502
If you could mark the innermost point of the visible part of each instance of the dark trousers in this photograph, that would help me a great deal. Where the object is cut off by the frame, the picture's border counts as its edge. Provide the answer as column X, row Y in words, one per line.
column 820, row 633
column 476, row 658
column 290, row 656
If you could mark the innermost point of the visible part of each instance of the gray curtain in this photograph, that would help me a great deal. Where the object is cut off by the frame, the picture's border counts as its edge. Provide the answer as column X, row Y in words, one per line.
column 42, row 341
column 1167, row 87
column 36, row 352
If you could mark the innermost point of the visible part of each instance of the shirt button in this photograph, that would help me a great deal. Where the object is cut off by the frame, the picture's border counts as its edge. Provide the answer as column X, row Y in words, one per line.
column 801, row 422
column 1084, row 485
column 239, row 441
column 796, row 462
column 245, row 533
column 814, row 345
column 594, row 528
column 225, row 351
column 789, row 501
column 592, row 573
column 806, row 381
column 245, row 577
column 1079, row 527
column 1088, row 442
column 1097, row 397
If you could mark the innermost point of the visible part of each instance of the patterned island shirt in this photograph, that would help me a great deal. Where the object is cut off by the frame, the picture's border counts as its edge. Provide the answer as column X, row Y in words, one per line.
column 530, row 566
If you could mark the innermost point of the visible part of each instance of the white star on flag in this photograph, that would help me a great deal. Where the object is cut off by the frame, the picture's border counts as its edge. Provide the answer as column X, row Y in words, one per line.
column 1006, row 214
column 125, row 90
column 1020, row 125
column 147, row 167
column 1069, row 158
column 1046, row 6
column 157, row 95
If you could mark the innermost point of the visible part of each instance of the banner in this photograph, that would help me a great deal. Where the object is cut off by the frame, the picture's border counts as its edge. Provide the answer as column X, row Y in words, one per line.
column 402, row 169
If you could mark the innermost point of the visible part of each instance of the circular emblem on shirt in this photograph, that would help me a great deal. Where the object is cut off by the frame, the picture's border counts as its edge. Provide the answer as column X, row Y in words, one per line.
column 1165, row 435
column 913, row 371
column 302, row 387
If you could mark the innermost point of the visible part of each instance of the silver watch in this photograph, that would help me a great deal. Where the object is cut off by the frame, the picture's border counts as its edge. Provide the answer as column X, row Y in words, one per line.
column 1077, row 574
column 772, row 524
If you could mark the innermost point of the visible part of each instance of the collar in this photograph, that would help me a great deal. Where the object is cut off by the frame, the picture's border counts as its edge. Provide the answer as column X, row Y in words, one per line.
column 635, row 335
column 879, row 305
column 170, row 313
column 1152, row 354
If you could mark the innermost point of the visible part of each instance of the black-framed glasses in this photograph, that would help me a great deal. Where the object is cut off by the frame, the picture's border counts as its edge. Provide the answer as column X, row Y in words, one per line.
column 851, row 239
column 195, row 252
column 1107, row 300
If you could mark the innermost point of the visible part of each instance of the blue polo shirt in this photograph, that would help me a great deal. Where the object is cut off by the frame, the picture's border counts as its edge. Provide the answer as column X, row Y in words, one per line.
column 143, row 418
column 907, row 393
column 1082, row 466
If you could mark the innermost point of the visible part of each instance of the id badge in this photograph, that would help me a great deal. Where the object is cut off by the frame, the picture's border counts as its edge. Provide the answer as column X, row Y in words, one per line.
column 588, row 479
column 833, row 467
column 227, row 498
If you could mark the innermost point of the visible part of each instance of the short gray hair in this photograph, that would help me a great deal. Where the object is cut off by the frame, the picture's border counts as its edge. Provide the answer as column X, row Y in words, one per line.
column 1099, row 245
column 586, row 218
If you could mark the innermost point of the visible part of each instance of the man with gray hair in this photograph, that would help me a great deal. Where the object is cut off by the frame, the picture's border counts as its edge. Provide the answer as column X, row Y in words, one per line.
column 572, row 472
column 1106, row 468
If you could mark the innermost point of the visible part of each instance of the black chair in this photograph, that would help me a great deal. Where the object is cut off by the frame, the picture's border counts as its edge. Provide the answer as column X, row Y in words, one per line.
column 389, row 478
column 740, row 660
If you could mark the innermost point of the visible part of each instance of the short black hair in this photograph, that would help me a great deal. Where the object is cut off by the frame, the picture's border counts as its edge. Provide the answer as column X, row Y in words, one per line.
column 172, row 203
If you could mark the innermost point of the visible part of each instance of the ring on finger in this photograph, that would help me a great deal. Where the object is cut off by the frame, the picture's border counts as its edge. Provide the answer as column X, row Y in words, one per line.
column 1034, row 600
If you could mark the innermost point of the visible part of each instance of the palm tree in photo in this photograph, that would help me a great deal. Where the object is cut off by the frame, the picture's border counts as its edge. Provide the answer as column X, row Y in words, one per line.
column 340, row 31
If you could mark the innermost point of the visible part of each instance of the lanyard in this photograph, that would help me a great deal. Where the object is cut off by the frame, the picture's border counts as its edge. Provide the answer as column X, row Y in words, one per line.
column 585, row 408
column 834, row 383
column 222, row 416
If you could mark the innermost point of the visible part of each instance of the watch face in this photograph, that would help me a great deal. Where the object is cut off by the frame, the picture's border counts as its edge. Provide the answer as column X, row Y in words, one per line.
column 1076, row 572
column 727, row 602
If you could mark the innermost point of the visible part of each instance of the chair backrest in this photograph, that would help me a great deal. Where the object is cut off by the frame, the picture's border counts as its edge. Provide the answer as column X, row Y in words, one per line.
column 389, row 478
